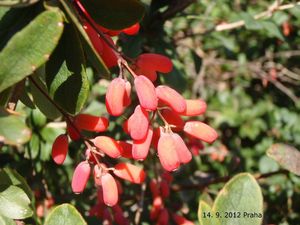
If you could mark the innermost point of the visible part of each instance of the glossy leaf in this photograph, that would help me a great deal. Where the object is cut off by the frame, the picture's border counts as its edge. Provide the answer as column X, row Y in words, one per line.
column 243, row 196
column 14, row 203
column 64, row 214
column 30, row 48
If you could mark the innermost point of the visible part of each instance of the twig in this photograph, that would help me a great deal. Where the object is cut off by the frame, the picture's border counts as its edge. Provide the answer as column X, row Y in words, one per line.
column 140, row 205
column 218, row 180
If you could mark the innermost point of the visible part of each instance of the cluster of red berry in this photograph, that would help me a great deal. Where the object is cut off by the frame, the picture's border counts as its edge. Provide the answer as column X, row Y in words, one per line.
column 158, row 120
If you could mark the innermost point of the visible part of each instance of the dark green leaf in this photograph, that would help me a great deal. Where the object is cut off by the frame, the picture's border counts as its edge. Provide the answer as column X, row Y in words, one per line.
column 115, row 14
column 65, row 214
column 41, row 101
column 30, row 48
column 272, row 29
column 88, row 47
column 11, row 177
column 287, row 156
column 65, row 73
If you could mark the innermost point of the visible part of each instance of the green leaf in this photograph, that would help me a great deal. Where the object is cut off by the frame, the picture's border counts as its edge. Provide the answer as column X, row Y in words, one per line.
column 14, row 203
column 64, row 214
column 30, row 48
column 11, row 177
column 250, row 22
column 13, row 129
column 287, row 156
column 205, row 214
column 272, row 29
column 44, row 105
column 241, row 199
column 87, row 44
column 66, row 77
column 115, row 14
column 17, row 3
column 6, row 221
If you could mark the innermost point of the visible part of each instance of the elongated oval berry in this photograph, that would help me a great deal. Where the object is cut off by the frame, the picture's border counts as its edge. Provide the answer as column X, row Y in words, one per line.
column 130, row 172
column 155, row 62
column 164, row 189
column 108, row 55
column 163, row 218
column 140, row 148
column 194, row 107
column 114, row 99
column 166, row 149
column 80, row 177
column 109, row 146
column 138, row 123
column 110, row 189
column 154, row 188
column 60, row 149
column 91, row 123
column 94, row 37
column 171, row 97
column 132, row 30
column 200, row 131
column 173, row 118
column 146, row 92
column 180, row 220
column 182, row 151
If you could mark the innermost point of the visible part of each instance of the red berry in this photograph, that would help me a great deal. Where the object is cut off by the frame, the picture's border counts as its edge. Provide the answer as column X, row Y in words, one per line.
column 146, row 92
column 94, row 37
column 119, row 217
column 130, row 172
column 110, row 189
column 163, row 218
column 157, row 205
column 171, row 97
column 108, row 55
column 164, row 189
column 140, row 148
column 194, row 107
column 167, row 154
column 138, row 123
column 114, row 98
column 108, row 145
column 80, row 177
column 91, row 123
column 200, row 131
column 154, row 188
column 132, row 30
column 60, row 149
column 127, row 99
column 154, row 62
column 182, row 151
